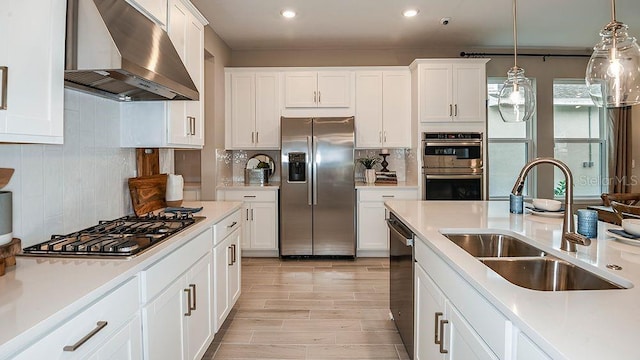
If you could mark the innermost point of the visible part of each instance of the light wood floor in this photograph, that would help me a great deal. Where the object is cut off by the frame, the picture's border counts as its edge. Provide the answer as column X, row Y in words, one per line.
column 311, row 309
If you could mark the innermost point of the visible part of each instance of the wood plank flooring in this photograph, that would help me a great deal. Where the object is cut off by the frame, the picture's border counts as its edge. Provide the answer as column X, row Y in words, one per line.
column 311, row 309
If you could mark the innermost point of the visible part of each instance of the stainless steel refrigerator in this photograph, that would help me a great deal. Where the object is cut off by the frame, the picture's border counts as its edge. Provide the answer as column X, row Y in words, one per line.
column 317, row 191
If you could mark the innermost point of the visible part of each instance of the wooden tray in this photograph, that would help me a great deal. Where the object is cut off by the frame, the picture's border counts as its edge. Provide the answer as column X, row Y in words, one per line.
column 8, row 254
column 148, row 193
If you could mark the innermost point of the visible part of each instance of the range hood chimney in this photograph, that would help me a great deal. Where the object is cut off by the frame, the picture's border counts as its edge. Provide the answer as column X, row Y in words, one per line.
column 114, row 51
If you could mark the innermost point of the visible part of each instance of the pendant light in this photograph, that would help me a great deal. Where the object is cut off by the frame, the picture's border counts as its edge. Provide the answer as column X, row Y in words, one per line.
column 613, row 72
column 517, row 101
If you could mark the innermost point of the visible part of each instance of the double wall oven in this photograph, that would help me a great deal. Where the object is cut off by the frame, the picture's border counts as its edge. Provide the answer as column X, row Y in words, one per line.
column 452, row 166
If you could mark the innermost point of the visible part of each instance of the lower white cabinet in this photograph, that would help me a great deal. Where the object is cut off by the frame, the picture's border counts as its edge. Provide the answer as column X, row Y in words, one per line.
column 373, row 236
column 227, row 275
column 527, row 350
column 259, row 220
column 111, row 321
column 179, row 320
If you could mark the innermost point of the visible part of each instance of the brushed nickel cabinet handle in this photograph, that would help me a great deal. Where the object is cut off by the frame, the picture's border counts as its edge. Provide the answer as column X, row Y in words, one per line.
column 99, row 326
column 388, row 196
column 247, row 214
column 257, row 137
column 314, row 97
column 193, row 288
column 3, row 99
column 252, row 138
column 232, row 225
column 435, row 331
column 251, row 214
column 385, row 136
column 193, row 118
column 230, row 263
column 442, row 349
column 188, row 291
column 455, row 107
column 319, row 97
column 233, row 248
column 450, row 110
column 249, row 196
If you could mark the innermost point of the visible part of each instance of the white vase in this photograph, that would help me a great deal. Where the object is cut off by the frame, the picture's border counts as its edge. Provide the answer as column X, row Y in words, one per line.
column 370, row 176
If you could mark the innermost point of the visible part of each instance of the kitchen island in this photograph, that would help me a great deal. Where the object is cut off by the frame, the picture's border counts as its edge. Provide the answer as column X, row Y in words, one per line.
column 587, row 324
column 40, row 294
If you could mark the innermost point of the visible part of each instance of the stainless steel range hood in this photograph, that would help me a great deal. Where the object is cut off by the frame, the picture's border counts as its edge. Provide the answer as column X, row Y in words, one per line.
column 114, row 51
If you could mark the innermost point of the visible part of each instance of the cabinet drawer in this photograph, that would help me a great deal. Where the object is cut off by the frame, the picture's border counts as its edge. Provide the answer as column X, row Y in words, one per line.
column 264, row 195
column 226, row 226
column 116, row 308
column 166, row 270
column 387, row 194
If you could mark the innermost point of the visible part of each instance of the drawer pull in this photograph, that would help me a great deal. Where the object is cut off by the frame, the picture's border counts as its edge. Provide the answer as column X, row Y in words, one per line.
column 3, row 87
column 99, row 326
column 435, row 331
column 232, row 225
column 230, row 263
column 193, row 288
column 188, row 313
column 249, row 196
column 442, row 349
column 388, row 196
column 233, row 251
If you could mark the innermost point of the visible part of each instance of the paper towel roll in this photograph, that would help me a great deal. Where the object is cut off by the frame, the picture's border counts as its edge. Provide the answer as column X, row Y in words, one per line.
column 6, row 217
column 175, row 186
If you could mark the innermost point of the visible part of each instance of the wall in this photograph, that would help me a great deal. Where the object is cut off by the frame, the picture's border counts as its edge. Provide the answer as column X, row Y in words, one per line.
column 544, row 70
column 58, row 189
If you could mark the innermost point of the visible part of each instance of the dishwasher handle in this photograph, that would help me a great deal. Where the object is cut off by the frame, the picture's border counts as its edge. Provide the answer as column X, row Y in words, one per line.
column 400, row 232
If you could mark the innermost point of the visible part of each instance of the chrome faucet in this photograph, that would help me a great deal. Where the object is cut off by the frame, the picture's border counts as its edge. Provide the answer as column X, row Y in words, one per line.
column 569, row 237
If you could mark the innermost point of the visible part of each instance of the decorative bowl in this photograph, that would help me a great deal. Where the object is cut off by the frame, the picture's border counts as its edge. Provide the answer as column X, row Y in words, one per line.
column 631, row 226
column 547, row 204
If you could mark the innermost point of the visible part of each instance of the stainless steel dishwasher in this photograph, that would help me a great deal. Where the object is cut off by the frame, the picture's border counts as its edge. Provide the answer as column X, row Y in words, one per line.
column 401, row 279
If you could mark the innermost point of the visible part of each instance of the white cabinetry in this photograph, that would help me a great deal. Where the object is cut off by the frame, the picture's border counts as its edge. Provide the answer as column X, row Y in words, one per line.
column 178, row 321
column 226, row 253
column 259, row 220
column 451, row 89
column 252, row 110
column 324, row 89
column 31, row 71
column 383, row 109
column 178, row 124
column 112, row 321
column 156, row 10
column 373, row 235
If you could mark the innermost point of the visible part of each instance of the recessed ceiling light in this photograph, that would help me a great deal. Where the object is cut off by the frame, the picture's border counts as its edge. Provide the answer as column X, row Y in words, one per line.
column 288, row 13
column 410, row 12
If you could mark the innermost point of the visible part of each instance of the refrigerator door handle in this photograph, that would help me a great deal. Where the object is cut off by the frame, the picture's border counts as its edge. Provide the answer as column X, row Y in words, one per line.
column 309, row 169
column 315, row 171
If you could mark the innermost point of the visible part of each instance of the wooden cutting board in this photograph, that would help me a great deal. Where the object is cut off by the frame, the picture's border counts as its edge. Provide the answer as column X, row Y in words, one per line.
column 5, row 176
column 148, row 193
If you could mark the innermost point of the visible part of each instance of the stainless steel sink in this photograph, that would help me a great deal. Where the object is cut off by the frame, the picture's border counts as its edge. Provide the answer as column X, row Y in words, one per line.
column 547, row 274
column 493, row 245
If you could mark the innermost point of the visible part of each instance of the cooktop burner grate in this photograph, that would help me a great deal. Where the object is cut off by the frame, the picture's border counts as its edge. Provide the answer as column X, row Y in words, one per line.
column 120, row 238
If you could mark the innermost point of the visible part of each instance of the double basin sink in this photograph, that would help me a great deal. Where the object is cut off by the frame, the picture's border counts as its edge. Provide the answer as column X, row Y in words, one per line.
column 527, row 266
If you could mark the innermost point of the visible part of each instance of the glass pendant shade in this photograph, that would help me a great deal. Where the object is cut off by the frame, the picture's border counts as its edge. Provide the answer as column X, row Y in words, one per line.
column 517, row 101
column 613, row 72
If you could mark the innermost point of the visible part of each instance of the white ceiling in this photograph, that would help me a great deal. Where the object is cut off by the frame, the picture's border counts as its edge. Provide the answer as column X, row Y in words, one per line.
column 376, row 24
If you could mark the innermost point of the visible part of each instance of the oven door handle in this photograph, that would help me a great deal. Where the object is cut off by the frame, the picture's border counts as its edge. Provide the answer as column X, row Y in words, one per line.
column 452, row 143
column 453, row 176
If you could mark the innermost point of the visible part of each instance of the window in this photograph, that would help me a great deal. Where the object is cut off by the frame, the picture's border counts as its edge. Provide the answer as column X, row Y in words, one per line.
column 579, row 135
column 510, row 146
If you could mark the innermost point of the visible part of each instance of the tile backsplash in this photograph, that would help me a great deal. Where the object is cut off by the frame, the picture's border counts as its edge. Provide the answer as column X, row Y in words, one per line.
column 59, row 189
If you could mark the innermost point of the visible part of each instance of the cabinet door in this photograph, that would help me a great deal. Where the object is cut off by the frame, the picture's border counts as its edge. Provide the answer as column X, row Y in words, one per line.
column 461, row 341
column 126, row 344
column 429, row 311
column 469, row 92
column 300, row 89
column 234, row 269
column 267, row 110
column 222, row 257
column 194, row 62
column 396, row 109
column 527, row 350
column 264, row 229
column 33, row 51
column 369, row 109
column 372, row 228
column 164, row 318
column 179, row 127
column 199, row 322
column 436, row 94
column 242, row 105
column 334, row 89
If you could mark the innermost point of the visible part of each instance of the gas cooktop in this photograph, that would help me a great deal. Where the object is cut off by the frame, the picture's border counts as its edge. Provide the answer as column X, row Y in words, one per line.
column 125, row 237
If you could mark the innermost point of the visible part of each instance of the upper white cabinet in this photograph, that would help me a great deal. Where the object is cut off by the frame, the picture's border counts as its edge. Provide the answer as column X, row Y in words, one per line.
column 154, row 9
column 252, row 111
column 323, row 89
column 178, row 124
column 383, row 109
column 451, row 89
column 31, row 71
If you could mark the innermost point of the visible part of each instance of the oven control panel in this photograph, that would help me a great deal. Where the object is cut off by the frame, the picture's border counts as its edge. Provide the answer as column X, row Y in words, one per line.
column 452, row 136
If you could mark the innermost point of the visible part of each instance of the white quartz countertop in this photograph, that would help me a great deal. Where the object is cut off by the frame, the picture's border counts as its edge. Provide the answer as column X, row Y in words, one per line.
column 399, row 185
column 39, row 292
column 242, row 186
column 581, row 325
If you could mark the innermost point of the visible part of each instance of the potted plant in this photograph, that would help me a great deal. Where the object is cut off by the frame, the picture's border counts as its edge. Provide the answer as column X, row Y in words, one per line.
column 369, row 172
